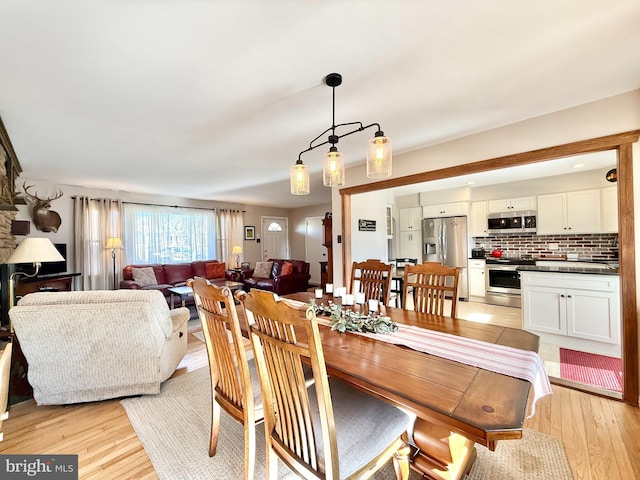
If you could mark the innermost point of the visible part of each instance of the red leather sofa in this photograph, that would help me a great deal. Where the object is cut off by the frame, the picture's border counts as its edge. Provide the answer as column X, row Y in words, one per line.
column 296, row 281
column 175, row 275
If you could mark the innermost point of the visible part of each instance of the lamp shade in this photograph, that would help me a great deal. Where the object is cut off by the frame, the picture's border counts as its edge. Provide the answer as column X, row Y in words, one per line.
column 299, row 179
column 114, row 243
column 379, row 156
column 333, row 168
column 35, row 250
column 236, row 250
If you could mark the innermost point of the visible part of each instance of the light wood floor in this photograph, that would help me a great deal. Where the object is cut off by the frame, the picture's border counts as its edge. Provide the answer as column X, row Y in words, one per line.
column 600, row 435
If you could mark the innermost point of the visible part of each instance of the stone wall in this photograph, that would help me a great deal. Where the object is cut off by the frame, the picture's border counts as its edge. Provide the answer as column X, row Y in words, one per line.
column 7, row 240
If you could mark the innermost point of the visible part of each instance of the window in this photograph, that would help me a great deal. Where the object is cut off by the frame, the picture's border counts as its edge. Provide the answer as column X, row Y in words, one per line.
column 159, row 234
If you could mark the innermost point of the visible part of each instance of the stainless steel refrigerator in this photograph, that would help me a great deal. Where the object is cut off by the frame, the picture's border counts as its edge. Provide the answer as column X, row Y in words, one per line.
column 445, row 241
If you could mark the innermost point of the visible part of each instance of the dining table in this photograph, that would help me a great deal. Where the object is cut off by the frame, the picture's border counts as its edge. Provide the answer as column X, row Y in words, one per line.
column 456, row 405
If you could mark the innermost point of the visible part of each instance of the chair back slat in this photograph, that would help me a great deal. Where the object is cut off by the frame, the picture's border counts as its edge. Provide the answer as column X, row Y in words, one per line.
column 374, row 279
column 432, row 284
column 283, row 338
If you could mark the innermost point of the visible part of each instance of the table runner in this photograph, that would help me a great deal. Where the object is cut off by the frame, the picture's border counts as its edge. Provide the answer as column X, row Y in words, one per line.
column 510, row 361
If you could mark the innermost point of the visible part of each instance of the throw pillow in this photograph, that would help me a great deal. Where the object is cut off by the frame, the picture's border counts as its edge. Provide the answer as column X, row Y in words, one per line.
column 287, row 268
column 215, row 270
column 144, row 276
column 263, row 270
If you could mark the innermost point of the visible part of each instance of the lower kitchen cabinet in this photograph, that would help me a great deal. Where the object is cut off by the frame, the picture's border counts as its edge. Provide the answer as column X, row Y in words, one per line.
column 410, row 245
column 477, row 285
column 578, row 311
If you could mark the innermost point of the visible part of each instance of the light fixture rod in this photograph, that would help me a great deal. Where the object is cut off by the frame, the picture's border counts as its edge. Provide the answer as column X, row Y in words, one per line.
column 333, row 127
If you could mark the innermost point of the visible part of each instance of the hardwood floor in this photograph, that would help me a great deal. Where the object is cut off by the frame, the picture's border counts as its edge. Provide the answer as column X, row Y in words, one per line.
column 600, row 435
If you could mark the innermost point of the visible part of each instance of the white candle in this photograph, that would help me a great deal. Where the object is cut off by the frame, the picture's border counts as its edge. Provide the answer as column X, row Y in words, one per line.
column 337, row 292
column 329, row 287
column 347, row 299
column 318, row 293
column 360, row 298
column 373, row 305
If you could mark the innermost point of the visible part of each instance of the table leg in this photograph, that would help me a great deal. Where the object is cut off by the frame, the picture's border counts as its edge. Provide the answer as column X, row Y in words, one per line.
column 441, row 454
column 173, row 297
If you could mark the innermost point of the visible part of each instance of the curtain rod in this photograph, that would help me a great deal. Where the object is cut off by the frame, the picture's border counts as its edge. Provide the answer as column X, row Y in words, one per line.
column 179, row 206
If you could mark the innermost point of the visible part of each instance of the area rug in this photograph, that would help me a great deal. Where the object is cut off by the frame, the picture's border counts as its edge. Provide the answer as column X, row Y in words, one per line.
column 591, row 369
column 174, row 430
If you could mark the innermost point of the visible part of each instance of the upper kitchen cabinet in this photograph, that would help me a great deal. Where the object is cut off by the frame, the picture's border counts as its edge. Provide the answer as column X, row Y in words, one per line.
column 571, row 212
column 511, row 204
column 411, row 219
column 609, row 209
column 478, row 219
column 446, row 210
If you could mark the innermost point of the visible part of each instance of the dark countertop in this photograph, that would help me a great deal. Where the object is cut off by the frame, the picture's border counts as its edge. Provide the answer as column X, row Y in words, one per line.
column 583, row 270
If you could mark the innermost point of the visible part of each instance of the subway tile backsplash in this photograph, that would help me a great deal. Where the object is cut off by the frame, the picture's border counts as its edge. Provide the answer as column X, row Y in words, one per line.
column 587, row 246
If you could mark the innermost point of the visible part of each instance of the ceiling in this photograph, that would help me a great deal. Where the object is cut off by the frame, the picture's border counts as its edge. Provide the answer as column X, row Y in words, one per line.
column 215, row 99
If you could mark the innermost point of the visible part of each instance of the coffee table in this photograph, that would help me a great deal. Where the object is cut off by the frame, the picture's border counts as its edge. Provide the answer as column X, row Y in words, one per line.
column 185, row 291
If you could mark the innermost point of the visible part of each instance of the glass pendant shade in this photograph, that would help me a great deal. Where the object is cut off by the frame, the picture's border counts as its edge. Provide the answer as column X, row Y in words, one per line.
column 333, row 168
column 379, row 157
column 299, row 177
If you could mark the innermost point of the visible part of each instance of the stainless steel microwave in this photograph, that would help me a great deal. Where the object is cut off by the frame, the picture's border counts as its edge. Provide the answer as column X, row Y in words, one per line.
column 523, row 221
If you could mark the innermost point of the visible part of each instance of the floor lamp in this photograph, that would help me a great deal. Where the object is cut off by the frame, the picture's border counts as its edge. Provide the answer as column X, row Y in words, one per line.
column 113, row 244
column 31, row 250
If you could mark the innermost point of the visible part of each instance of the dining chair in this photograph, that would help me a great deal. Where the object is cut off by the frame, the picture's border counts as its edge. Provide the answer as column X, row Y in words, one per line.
column 329, row 430
column 373, row 278
column 432, row 283
column 398, row 279
column 235, row 386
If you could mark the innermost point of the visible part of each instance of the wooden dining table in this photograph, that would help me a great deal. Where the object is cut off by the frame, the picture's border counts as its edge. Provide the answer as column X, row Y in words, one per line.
column 456, row 405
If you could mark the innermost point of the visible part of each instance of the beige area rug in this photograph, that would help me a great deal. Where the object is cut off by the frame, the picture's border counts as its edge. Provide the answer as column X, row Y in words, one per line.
column 174, row 429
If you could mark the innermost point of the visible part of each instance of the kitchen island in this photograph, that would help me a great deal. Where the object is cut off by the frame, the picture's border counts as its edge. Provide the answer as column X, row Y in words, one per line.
column 576, row 307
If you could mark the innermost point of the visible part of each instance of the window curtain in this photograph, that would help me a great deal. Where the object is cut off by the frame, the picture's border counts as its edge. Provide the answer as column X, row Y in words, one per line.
column 164, row 234
column 230, row 234
column 95, row 220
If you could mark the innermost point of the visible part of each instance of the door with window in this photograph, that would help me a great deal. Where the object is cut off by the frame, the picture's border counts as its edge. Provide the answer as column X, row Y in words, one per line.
column 275, row 237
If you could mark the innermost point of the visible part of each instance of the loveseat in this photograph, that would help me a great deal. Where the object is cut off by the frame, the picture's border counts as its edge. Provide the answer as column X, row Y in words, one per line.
column 172, row 275
column 281, row 277
column 86, row 346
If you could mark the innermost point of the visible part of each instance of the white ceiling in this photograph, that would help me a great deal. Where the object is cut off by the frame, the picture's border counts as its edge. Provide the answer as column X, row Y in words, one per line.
column 215, row 99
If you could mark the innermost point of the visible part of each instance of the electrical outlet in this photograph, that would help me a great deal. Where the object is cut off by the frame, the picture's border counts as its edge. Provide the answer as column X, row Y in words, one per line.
column 553, row 246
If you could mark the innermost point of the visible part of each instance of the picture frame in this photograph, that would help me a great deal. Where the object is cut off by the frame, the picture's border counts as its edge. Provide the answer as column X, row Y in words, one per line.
column 250, row 233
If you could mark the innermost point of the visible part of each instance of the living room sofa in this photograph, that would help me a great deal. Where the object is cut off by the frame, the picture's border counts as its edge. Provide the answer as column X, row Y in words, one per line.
column 86, row 346
column 175, row 275
column 279, row 280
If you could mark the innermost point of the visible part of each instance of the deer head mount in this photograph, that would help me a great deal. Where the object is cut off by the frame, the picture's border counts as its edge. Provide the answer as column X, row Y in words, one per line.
column 44, row 219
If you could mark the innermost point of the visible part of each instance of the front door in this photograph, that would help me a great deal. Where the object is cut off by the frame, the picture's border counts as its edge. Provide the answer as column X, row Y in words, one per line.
column 315, row 252
column 275, row 237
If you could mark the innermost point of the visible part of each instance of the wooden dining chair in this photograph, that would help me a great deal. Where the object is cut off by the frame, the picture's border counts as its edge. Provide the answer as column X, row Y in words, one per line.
column 397, row 281
column 235, row 386
column 330, row 430
column 432, row 283
column 373, row 278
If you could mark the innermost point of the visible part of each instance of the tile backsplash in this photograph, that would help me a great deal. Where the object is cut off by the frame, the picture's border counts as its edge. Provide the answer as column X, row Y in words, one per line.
column 587, row 246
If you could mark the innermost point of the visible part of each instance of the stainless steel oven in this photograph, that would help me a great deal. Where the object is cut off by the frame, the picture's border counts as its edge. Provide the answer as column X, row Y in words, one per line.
column 502, row 281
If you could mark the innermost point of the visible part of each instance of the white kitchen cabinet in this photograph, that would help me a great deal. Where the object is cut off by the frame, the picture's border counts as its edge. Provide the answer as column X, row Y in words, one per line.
column 389, row 219
column 476, row 278
column 445, row 210
column 410, row 245
column 411, row 219
column 570, row 212
column 609, row 209
column 584, row 309
column 511, row 204
column 478, row 219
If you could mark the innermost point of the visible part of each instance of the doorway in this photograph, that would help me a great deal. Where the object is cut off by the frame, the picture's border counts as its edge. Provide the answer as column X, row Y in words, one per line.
column 315, row 252
column 275, row 237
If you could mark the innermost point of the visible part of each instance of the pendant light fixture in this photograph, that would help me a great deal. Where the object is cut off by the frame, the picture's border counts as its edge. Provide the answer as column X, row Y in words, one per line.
column 378, row 151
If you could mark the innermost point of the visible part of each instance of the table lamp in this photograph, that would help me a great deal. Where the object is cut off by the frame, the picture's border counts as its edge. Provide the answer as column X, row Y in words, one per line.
column 113, row 244
column 31, row 250
column 237, row 250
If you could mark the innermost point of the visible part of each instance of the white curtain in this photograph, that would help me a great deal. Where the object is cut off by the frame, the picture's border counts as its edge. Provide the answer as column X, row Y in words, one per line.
column 95, row 220
column 229, row 234
column 163, row 234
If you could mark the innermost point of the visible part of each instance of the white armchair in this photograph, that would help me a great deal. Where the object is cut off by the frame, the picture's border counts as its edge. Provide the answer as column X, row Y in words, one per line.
column 93, row 345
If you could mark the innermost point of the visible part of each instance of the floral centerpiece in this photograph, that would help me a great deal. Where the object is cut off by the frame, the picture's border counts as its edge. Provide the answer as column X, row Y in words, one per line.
column 346, row 319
